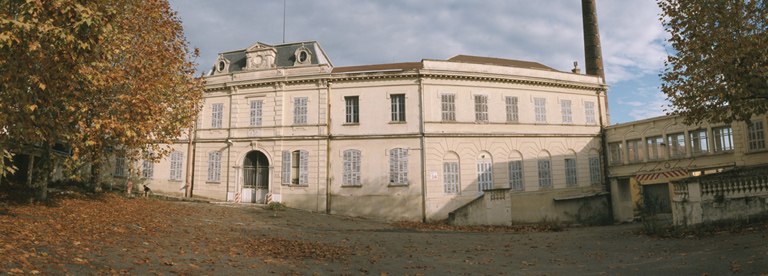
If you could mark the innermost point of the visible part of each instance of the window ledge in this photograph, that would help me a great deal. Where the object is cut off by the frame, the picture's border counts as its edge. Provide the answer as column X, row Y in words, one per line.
column 756, row 151
column 296, row 185
column 350, row 124
column 397, row 185
column 175, row 180
column 397, row 122
column 212, row 182
column 351, row 186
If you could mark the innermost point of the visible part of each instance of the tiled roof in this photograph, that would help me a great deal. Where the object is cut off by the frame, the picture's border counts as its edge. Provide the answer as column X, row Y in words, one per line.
column 501, row 62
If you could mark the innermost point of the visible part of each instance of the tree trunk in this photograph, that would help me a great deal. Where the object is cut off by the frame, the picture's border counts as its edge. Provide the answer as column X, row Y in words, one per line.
column 96, row 177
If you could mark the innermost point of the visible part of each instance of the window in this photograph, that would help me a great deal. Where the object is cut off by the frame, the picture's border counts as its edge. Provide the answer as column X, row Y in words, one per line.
column 723, row 139
column 120, row 166
column 481, row 108
column 148, row 167
column 589, row 110
column 676, row 145
column 300, row 111
column 398, row 166
column 545, row 175
column 295, row 167
column 484, row 176
column 614, row 150
column 540, row 108
column 451, row 178
column 594, row 170
column 655, row 150
column 571, row 177
column 699, row 142
column 448, row 107
column 353, row 109
column 635, row 150
column 515, row 175
column 756, row 136
column 351, row 168
column 176, row 161
column 217, row 115
column 214, row 166
column 565, row 106
column 512, row 111
column 398, row 107
column 256, row 107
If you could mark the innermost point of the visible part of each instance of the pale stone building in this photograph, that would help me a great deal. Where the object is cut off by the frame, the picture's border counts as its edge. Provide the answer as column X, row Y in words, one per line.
column 666, row 159
column 404, row 141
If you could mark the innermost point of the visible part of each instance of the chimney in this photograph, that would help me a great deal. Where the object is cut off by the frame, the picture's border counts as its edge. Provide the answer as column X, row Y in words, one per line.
column 592, row 51
column 576, row 69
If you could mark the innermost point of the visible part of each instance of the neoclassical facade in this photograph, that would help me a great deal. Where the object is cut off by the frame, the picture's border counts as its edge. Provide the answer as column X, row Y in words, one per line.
column 404, row 141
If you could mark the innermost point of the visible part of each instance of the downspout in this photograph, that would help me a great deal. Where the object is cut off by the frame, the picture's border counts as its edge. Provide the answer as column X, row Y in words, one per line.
column 423, row 151
column 229, row 135
column 604, row 153
column 328, row 149
column 190, row 159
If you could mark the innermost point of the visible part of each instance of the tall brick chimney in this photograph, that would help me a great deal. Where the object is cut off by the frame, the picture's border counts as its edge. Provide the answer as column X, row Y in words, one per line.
column 592, row 51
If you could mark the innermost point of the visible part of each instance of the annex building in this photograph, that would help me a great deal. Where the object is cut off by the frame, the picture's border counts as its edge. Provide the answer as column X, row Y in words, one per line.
column 404, row 141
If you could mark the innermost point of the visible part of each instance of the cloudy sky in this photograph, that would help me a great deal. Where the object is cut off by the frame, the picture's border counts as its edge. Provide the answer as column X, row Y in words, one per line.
column 360, row 32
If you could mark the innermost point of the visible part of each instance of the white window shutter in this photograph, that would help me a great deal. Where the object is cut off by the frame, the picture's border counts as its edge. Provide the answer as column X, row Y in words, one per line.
column 451, row 178
column 303, row 167
column 256, row 111
column 516, row 175
column 286, row 167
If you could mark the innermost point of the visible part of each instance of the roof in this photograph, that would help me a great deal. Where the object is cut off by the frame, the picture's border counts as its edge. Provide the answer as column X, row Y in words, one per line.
column 379, row 67
column 284, row 58
column 501, row 62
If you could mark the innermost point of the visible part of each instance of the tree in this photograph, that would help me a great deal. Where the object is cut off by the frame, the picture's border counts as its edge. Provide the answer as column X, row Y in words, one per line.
column 719, row 69
column 104, row 77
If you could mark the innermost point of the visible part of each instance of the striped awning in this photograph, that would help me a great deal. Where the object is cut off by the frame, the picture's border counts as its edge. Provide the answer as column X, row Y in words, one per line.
column 662, row 175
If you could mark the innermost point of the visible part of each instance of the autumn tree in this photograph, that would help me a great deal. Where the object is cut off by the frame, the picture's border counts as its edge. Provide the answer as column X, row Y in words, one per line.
column 103, row 77
column 718, row 71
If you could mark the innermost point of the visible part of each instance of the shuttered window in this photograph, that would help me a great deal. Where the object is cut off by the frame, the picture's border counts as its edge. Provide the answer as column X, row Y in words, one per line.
column 512, row 111
column 481, row 108
column 451, row 178
column 398, row 166
column 217, row 115
column 176, row 162
column 540, row 109
column 594, row 170
column 214, row 166
column 300, row 111
column 148, row 167
column 303, row 167
column 448, row 106
column 120, row 166
column 484, row 177
column 516, row 175
column 286, row 168
column 565, row 110
column 589, row 113
column 545, row 174
column 351, row 170
column 723, row 139
column 571, row 177
column 256, row 110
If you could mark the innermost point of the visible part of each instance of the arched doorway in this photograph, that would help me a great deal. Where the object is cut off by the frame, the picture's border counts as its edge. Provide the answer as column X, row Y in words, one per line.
column 255, row 177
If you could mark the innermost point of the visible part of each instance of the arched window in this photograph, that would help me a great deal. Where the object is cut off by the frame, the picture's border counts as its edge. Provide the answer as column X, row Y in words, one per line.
column 148, row 166
column 545, row 170
column 398, row 166
column 515, row 166
column 451, row 175
column 484, row 172
column 571, row 172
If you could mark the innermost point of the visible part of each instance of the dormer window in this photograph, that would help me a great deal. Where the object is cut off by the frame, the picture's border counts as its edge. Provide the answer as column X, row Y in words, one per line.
column 221, row 66
column 302, row 56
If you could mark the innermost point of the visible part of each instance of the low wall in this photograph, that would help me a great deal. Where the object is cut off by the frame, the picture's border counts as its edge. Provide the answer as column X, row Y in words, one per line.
column 504, row 207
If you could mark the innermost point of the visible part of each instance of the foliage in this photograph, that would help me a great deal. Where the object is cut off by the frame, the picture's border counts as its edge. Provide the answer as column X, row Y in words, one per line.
column 719, row 69
column 276, row 206
column 649, row 208
column 94, row 76
column 6, row 169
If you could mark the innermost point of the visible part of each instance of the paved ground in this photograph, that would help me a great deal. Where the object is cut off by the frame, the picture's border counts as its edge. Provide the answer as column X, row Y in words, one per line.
column 230, row 239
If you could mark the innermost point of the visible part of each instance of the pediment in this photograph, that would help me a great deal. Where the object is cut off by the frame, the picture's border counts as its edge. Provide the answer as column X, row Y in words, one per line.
column 259, row 47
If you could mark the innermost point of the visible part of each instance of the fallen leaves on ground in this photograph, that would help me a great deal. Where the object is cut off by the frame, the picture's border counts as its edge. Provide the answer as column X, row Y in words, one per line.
column 443, row 225
column 288, row 249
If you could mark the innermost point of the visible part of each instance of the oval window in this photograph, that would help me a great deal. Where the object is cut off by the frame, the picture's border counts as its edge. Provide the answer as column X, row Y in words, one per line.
column 221, row 65
column 303, row 56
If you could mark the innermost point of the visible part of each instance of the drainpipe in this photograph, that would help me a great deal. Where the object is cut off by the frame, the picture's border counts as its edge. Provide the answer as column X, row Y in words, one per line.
column 328, row 149
column 423, row 152
column 190, row 159
column 229, row 135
